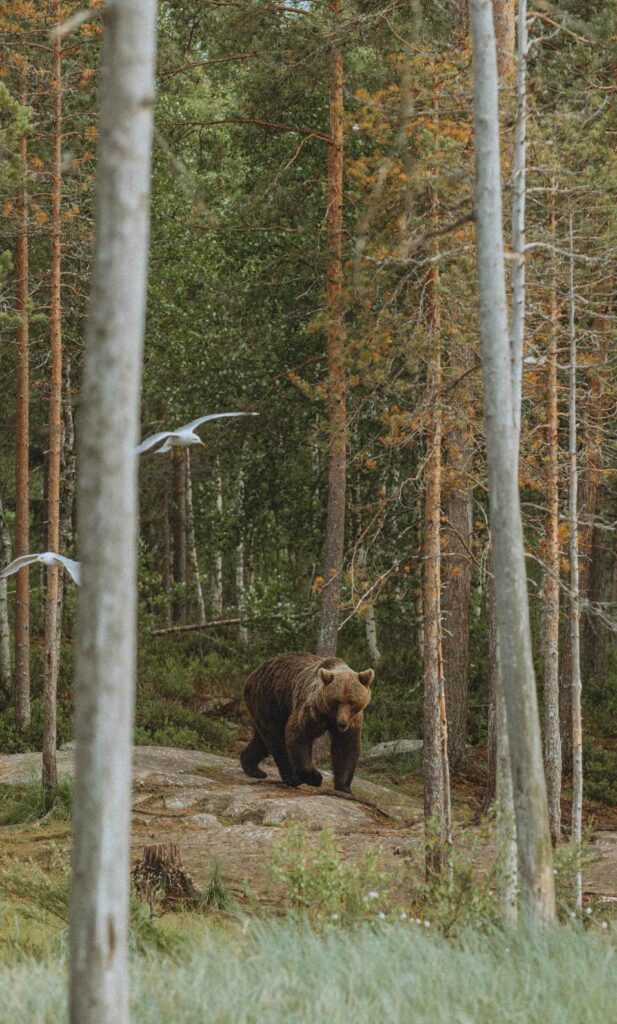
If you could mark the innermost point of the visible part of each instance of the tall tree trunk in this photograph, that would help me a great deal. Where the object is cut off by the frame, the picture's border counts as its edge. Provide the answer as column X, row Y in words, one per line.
column 552, row 734
column 515, row 657
column 240, row 568
column 191, row 542
column 435, row 769
column 492, row 669
column 22, row 433
column 504, row 13
column 337, row 409
column 179, row 534
column 52, row 592
column 6, row 674
column 577, row 729
column 107, row 513
column 217, row 576
column 506, row 852
column 167, row 569
column 457, row 585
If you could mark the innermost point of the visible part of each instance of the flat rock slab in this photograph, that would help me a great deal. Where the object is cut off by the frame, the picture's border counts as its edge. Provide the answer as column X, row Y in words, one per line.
column 206, row 805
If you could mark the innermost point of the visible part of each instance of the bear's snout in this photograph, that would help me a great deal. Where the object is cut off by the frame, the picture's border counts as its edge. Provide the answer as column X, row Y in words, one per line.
column 342, row 724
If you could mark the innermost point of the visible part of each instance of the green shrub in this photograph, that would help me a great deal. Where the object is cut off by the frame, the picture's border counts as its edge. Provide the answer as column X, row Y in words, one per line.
column 23, row 804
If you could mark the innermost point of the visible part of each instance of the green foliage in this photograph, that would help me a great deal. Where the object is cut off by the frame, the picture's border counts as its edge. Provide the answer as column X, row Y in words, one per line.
column 326, row 887
column 600, row 773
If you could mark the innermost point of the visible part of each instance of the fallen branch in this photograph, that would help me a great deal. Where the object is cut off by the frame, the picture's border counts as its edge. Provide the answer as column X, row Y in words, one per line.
column 195, row 627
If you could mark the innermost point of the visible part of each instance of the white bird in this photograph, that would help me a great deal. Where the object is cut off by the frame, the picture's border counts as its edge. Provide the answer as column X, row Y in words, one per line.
column 184, row 436
column 45, row 558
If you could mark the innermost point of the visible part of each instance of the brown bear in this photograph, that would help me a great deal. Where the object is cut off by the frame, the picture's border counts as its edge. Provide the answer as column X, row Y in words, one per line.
column 293, row 699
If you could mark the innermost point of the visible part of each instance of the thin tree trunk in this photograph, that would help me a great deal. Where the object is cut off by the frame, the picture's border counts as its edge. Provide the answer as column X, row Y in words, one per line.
column 492, row 669
column 434, row 750
column 552, row 735
column 515, row 657
column 167, row 569
column 370, row 632
column 240, row 581
column 179, row 535
column 505, row 823
column 519, row 196
column 217, row 578
column 457, row 586
column 67, row 489
column 107, row 510
column 337, row 410
column 6, row 674
column 504, row 13
column 22, row 434
column 191, row 542
column 577, row 730
column 52, row 592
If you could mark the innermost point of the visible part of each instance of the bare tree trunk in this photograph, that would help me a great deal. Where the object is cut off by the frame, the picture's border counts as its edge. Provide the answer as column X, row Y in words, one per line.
column 577, row 730
column 240, row 581
column 192, row 545
column 22, row 434
column 504, row 14
column 52, row 592
column 515, row 657
column 6, row 673
column 67, row 489
column 370, row 632
column 337, row 409
column 107, row 510
column 217, row 578
column 179, row 535
column 168, row 580
column 457, row 587
column 492, row 669
column 434, row 751
column 552, row 735
column 505, row 824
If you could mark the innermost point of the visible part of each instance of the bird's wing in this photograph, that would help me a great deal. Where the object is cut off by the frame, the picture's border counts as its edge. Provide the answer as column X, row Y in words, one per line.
column 73, row 568
column 214, row 416
column 17, row 564
column 164, row 448
column 151, row 441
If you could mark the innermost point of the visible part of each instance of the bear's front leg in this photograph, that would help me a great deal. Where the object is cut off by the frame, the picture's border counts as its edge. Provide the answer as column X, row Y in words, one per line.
column 300, row 750
column 345, row 754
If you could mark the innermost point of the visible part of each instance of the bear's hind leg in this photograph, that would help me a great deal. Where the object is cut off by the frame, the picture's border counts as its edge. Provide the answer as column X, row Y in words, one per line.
column 252, row 755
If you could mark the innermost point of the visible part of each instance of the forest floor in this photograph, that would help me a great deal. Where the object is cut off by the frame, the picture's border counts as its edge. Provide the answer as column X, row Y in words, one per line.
column 203, row 803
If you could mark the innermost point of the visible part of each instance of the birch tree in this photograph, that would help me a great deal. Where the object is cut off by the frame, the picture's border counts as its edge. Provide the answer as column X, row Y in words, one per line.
column 515, row 657
column 107, row 520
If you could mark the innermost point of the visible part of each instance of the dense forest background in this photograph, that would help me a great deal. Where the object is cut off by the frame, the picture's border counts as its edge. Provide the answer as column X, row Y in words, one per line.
column 232, row 538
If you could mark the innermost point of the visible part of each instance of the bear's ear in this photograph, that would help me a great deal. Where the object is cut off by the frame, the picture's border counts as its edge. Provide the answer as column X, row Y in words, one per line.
column 366, row 677
column 326, row 676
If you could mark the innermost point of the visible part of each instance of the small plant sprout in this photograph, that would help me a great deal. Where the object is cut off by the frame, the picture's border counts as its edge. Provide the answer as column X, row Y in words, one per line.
column 183, row 437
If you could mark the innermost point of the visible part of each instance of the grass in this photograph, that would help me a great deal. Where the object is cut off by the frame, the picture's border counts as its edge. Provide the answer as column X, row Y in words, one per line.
column 280, row 972
column 26, row 803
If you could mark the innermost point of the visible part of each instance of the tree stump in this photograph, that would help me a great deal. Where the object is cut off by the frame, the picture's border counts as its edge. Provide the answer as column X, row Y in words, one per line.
column 160, row 878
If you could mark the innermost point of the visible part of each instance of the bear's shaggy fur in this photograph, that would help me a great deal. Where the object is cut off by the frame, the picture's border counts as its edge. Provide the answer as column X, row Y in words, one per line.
column 293, row 699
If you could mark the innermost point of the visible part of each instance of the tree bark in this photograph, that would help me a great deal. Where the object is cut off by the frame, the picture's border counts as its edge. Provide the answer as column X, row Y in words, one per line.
column 457, row 586
column 179, row 535
column 217, row 577
column 435, row 766
column 107, row 515
column 240, row 581
column 577, row 730
column 191, row 542
column 52, row 590
column 6, row 673
column 504, row 13
column 515, row 657
column 22, row 435
column 337, row 410
column 552, row 734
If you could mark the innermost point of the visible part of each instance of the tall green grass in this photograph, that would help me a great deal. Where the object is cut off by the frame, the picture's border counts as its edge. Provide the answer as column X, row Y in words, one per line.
column 284, row 973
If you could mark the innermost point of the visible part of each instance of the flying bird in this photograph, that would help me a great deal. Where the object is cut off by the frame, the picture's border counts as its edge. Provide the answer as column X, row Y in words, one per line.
column 184, row 436
column 45, row 558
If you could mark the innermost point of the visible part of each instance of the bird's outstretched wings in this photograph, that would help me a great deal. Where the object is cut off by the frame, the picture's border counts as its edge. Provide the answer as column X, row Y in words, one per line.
column 17, row 564
column 214, row 416
column 43, row 558
column 150, row 442
column 72, row 567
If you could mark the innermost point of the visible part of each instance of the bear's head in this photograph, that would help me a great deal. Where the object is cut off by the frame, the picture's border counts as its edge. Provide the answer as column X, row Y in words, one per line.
column 345, row 694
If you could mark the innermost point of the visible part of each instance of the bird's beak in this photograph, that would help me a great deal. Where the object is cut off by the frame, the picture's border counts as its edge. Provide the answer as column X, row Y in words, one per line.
column 202, row 443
